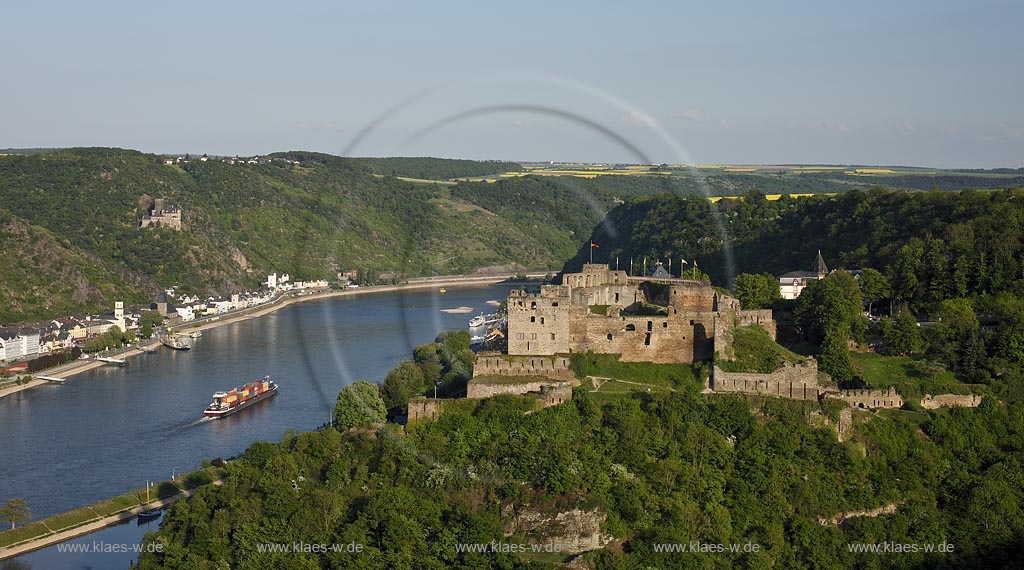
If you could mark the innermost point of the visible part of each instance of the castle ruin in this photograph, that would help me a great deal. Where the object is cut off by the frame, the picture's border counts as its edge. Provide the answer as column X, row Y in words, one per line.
column 661, row 320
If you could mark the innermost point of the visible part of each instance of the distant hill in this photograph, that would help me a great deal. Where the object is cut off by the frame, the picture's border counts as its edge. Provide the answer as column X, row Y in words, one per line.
column 933, row 245
column 77, row 211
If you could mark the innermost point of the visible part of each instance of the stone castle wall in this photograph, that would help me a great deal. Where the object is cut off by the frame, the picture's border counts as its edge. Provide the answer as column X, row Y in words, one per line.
column 885, row 398
column 763, row 318
column 550, row 392
column 558, row 368
column 424, row 408
column 793, row 381
column 930, row 402
column 563, row 319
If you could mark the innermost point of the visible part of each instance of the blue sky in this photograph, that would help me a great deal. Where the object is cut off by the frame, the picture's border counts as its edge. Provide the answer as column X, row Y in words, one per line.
column 911, row 83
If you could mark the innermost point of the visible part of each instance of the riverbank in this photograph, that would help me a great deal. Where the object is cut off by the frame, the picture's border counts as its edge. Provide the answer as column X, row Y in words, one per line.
column 79, row 366
column 65, row 526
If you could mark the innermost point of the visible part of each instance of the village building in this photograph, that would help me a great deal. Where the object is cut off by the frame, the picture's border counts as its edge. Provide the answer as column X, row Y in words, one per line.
column 18, row 343
column 793, row 283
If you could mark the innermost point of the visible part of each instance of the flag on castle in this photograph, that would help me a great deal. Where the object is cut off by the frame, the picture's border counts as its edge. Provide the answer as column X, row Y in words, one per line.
column 593, row 244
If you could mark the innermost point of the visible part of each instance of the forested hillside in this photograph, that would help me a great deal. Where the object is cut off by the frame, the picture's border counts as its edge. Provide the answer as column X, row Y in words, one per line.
column 667, row 468
column 306, row 214
column 954, row 260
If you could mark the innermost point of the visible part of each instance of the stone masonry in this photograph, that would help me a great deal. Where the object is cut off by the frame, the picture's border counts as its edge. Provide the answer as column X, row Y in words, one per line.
column 793, row 381
column 597, row 310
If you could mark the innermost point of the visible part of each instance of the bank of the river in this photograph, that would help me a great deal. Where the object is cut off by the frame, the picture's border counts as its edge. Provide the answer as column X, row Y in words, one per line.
column 65, row 526
column 77, row 367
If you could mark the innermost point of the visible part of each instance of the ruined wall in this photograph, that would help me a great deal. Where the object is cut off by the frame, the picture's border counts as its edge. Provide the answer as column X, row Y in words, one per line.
column 666, row 339
column 692, row 296
column 594, row 274
column 424, row 408
column 930, row 402
column 886, row 398
column 557, row 368
column 481, row 388
column 621, row 295
column 555, row 394
column 763, row 318
column 793, row 381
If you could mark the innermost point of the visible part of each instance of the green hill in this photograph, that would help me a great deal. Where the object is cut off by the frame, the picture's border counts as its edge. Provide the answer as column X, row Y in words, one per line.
column 307, row 214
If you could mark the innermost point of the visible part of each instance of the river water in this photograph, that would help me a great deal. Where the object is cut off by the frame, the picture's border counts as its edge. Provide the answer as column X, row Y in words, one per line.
column 109, row 430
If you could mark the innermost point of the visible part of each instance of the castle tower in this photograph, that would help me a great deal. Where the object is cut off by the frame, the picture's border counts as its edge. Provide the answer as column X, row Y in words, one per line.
column 119, row 310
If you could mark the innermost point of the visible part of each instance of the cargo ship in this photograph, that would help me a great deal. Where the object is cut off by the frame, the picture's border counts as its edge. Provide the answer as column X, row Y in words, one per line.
column 226, row 403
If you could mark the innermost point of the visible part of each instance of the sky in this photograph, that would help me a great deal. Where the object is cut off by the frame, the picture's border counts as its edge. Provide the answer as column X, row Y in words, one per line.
column 935, row 83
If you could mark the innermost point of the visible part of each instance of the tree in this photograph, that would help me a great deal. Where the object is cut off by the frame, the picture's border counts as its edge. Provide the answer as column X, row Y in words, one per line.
column 146, row 331
column 874, row 286
column 401, row 384
column 956, row 335
column 835, row 357
column 151, row 318
column 359, row 404
column 830, row 304
column 901, row 336
column 15, row 511
column 756, row 291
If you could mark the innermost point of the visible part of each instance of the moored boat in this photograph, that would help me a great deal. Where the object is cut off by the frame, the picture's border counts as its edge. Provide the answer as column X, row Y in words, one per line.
column 176, row 343
column 226, row 403
column 195, row 334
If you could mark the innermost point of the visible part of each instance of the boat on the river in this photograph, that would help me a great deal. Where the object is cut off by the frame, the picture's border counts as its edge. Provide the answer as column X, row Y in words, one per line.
column 195, row 334
column 226, row 403
column 176, row 343
column 482, row 319
column 149, row 515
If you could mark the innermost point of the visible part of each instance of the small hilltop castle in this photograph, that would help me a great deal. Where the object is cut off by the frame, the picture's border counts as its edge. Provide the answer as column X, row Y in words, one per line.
column 645, row 319
column 162, row 215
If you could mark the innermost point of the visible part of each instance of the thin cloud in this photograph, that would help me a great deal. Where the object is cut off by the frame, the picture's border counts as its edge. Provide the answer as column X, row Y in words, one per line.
column 639, row 119
column 699, row 116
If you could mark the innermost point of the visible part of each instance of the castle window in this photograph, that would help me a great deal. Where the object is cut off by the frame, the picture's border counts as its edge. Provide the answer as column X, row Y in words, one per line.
column 691, row 323
column 616, row 297
column 631, row 327
column 647, row 339
column 533, row 336
column 533, row 319
column 533, row 304
column 609, row 336
column 552, row 336
column 542, row 320
column 520, row 336
column 650, row 326
column 664, row 325
column 554, row 303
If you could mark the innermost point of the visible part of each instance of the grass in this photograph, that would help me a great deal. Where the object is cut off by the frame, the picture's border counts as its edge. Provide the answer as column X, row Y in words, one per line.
column 910, row 376
column 609, row 366
column 755, row 351
column 599, row 309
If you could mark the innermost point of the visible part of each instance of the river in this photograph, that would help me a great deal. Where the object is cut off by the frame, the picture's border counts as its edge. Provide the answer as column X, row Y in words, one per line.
column 108, row 431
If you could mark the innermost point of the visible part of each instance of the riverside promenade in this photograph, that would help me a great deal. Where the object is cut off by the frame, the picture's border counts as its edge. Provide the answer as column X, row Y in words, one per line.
column 50, row 531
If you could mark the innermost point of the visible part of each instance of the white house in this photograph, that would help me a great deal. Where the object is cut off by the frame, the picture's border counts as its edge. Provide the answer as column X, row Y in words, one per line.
column 793, row 283
column 18, row 344
column 187, row 313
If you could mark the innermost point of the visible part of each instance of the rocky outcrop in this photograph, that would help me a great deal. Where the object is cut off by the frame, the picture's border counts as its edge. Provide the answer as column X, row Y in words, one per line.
column 573, row 531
